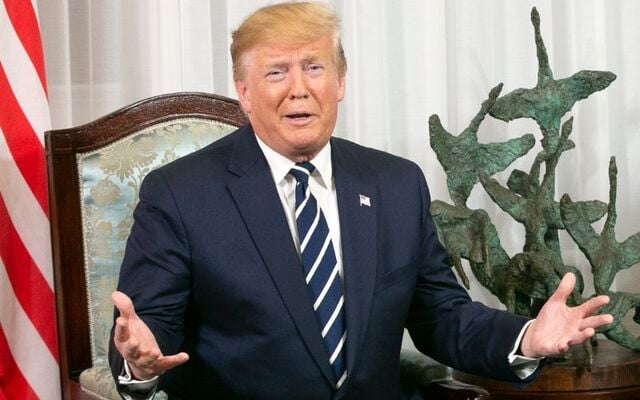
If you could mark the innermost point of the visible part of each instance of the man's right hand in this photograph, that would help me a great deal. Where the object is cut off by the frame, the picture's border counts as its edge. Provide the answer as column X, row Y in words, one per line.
column 137, row 345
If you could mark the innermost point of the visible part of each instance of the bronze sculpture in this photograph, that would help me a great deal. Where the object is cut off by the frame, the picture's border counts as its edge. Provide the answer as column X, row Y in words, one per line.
column 525, row 280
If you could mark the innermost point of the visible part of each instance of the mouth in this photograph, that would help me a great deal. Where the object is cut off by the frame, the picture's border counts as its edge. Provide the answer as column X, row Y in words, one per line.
column 298, row 116
column 301, row 118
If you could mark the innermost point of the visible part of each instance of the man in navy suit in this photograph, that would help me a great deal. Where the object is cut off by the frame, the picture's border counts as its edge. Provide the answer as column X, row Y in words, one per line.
column 216, row 264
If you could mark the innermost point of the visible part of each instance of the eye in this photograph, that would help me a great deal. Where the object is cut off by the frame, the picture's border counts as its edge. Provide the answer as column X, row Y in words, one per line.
column 275, row 74
column 314, row 69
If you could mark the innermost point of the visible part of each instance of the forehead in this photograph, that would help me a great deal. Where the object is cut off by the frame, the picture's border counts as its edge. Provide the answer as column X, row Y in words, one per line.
column 265, row 54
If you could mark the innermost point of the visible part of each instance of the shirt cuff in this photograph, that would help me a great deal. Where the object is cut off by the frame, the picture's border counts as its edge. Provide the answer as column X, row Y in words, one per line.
column 522, row 366
column 133, row 389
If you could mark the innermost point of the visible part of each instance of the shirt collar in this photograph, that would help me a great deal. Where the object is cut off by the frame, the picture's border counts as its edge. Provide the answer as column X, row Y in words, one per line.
column 281, row 165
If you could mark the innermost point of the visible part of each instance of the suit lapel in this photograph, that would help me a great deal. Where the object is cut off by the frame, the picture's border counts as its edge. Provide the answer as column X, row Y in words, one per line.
column 257, row 199
column 358, row 231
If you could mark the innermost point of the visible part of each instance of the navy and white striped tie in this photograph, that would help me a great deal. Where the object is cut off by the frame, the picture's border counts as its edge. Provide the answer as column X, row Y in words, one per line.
column 321, row 270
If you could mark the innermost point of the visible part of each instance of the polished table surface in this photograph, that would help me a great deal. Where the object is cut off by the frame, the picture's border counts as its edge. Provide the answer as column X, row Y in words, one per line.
column 615, row 375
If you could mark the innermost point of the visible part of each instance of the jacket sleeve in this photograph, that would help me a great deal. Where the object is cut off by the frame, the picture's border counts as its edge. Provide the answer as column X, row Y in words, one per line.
column 445, row 324
column 155, row 272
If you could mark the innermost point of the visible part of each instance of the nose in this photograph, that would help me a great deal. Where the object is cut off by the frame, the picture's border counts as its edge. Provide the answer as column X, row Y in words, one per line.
column 298, row 89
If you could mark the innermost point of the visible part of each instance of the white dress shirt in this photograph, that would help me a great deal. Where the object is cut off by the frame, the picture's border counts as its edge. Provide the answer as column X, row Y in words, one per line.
column 321, row 185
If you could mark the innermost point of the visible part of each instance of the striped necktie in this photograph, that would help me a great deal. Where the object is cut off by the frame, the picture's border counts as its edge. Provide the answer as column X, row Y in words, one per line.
column 321, row 270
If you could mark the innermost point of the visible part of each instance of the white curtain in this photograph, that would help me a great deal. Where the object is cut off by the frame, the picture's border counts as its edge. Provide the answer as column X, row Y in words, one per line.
column 407, row 60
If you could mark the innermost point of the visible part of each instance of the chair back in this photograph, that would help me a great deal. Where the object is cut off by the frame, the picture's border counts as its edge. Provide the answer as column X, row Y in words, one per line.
column 95, row 171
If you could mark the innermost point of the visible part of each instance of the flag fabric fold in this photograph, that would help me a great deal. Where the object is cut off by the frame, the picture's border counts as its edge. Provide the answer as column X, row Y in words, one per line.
column 28, row 343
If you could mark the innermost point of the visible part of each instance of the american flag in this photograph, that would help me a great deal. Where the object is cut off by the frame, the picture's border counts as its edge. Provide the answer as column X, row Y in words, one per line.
column 28, row 344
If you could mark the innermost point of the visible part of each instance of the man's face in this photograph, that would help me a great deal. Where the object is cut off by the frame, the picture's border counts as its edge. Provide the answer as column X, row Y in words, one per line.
column 291, row 96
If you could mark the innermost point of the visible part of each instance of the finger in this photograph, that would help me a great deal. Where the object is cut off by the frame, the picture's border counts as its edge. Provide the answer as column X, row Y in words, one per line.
column 121, row 333
column 582, row 336
column 565, row 288
column 132, row 350
column 596, row 321
column 124, row 304
column 165, row 363
column 561, row 348
column 143, row 366
column 145, row 360
column 591, row 306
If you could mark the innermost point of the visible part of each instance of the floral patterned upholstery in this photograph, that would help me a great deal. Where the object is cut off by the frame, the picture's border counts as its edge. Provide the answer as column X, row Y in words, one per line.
column 110, row 179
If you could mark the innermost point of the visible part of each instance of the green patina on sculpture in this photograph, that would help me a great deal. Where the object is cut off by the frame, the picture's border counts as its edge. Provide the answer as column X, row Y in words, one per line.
column 524, row 281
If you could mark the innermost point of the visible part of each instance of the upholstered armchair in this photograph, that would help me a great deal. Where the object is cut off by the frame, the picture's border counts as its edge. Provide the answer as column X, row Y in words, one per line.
column 95, row 171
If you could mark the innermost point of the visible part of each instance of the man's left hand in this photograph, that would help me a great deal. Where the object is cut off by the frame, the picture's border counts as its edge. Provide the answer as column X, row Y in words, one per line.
column 558, row 326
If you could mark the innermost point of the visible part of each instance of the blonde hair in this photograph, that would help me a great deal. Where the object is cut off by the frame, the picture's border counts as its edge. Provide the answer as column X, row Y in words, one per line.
column 287, row 24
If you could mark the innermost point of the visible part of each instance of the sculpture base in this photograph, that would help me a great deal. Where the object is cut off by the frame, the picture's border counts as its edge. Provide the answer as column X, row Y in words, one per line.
column 615, row 376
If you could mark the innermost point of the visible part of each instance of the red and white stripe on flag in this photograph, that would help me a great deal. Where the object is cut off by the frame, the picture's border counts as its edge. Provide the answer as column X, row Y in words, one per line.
column 28, row 344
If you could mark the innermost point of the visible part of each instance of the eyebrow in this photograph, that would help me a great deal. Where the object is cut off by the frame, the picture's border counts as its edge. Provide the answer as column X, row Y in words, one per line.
column 311, row 58
column 279, row 62
column 276, row 64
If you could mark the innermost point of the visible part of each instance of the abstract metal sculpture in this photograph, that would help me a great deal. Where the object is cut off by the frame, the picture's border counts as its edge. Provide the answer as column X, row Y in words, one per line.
column 524, row 281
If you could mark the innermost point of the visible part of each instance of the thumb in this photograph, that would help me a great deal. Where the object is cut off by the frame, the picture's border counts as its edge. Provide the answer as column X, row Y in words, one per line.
column 124, row 304
column 565, row 288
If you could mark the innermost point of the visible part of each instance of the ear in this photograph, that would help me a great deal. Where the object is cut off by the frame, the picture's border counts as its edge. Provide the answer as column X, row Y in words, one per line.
column 243, row 97
column 341, row 86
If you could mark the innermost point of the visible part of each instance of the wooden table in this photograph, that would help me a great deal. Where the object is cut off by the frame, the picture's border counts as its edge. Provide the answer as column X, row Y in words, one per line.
column 615, row 375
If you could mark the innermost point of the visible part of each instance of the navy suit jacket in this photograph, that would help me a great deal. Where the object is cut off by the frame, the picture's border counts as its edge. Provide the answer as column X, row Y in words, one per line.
column 211, row 268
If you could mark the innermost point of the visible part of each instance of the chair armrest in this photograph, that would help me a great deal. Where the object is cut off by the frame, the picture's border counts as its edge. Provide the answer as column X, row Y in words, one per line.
column 453, row 390
column 434, row 380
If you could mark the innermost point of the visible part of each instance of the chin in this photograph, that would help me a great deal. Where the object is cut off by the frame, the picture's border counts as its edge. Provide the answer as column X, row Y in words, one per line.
column 305, row 152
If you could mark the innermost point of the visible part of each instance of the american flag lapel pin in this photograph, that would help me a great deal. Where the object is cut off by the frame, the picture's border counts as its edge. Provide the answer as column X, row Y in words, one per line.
column 365, row 201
